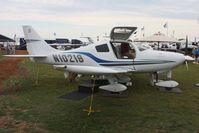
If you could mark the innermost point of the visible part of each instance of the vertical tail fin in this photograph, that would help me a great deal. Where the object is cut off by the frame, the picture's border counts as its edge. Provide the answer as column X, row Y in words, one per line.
column 35, row 44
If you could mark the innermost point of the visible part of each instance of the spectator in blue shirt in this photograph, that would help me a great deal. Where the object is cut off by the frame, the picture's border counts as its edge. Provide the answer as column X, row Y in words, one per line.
column 196, row 52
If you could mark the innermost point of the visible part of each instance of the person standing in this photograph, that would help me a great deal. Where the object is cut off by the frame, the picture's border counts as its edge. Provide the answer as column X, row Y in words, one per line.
column 193, row 53
column 196, row 52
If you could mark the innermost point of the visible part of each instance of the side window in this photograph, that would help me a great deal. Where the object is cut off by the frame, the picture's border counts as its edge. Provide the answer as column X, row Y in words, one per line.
column 102, row 48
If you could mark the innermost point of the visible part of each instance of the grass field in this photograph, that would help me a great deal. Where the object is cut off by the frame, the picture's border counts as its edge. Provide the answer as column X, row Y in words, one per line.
column 38, row 108
column 0, row 54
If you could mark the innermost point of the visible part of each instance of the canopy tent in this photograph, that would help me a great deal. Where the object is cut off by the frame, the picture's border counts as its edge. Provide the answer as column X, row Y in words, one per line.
column 158, row 37
column 5, row 39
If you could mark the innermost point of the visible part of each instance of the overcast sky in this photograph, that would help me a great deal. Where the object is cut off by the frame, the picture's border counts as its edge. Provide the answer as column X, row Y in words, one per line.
column 97, row 17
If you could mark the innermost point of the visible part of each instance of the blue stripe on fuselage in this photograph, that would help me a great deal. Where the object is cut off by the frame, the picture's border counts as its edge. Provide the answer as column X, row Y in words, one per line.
column 109, row 63
column 98, row 60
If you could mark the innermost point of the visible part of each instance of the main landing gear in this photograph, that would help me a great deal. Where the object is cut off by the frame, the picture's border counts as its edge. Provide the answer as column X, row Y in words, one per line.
column 167, row 85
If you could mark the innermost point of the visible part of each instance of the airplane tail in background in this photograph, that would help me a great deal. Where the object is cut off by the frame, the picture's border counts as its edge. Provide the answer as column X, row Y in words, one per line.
column 35, row 44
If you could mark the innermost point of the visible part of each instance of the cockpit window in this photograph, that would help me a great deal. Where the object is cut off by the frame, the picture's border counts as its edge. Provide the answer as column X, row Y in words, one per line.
column 123, row 50
column 102, row 48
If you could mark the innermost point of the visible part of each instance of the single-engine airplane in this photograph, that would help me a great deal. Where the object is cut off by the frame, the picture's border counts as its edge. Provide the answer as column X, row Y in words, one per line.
column 117, row 56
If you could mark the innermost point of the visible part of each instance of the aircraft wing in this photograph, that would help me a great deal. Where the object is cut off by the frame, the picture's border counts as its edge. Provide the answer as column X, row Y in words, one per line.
column 27, row 56
column 96, row 69
column 123, row 70
column 68, row 44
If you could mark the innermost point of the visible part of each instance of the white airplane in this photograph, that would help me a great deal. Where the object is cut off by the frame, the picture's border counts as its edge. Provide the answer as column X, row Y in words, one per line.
column 105, row 59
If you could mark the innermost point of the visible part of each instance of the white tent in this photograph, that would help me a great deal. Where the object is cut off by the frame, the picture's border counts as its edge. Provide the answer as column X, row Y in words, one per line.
column 158, row 37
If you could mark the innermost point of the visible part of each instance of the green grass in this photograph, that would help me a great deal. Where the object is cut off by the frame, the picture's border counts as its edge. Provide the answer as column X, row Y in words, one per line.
column 1, row 55
column 144, row 110
column 2, row 52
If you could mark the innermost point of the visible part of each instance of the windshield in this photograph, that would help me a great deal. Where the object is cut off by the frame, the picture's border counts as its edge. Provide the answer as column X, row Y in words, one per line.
column 142, row 46
column 123, row 50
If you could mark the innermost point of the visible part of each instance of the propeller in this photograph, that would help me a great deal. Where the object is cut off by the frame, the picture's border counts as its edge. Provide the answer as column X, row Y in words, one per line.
column 188, row 58
column 187, row 66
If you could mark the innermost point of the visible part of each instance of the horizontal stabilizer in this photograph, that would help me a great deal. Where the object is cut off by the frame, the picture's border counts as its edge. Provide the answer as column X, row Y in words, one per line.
column 27, row 56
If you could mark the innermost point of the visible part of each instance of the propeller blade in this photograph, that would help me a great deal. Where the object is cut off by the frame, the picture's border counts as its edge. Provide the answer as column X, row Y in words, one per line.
column 188, row 58
column 187, row 65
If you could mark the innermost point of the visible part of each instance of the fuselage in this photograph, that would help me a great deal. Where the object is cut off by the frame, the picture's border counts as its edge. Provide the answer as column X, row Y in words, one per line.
column 105, row 55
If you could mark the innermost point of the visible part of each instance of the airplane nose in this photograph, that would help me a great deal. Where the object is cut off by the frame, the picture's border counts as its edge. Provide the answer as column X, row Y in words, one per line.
column 179, row 58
